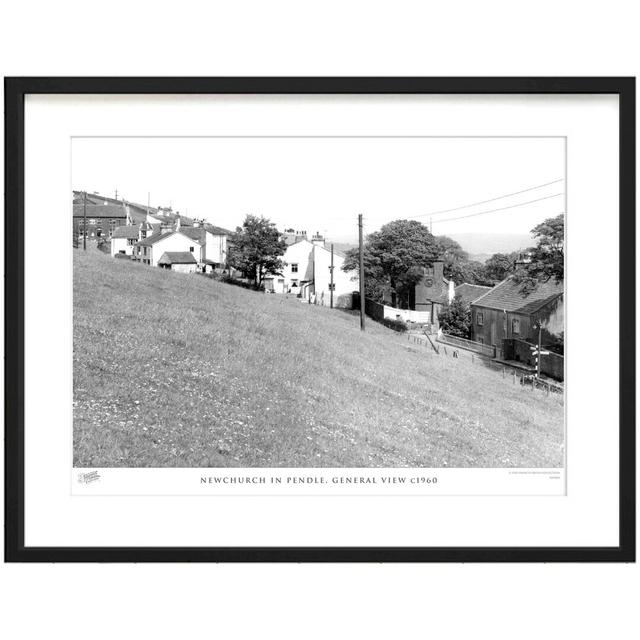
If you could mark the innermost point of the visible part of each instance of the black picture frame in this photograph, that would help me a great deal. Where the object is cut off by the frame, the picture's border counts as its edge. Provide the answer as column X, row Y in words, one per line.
column 15, row 91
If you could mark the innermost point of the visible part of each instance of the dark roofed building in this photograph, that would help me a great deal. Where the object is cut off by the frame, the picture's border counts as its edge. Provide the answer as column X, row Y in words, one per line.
column 432, row 292
column 102, row 219
column 468, row 293
column 507, row 296
column 505, row 313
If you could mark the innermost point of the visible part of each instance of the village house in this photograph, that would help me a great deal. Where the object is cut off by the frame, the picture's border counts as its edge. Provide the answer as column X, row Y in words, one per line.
column 432, row 292
column 150, row 250
column 307, row 272
column 135, row 213
column 505, row 313
column 124, row 239
column 101, row 219
column 216, row 244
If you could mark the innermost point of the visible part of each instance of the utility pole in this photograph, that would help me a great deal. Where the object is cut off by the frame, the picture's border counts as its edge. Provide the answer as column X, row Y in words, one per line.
column 539, row 350
column 361, row 274
column 84, row 222
column 430, row 224
column 148, row 201
column 116, row 193
column 331, row 285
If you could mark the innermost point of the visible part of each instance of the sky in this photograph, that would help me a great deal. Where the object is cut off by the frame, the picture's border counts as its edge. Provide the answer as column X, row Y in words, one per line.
column 322, row 184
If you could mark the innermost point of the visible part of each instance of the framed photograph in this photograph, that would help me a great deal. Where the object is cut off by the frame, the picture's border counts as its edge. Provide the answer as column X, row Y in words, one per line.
column 320, row 319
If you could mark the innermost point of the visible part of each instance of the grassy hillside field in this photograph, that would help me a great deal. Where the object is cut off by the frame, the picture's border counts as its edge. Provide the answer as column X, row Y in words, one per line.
column 182, row 371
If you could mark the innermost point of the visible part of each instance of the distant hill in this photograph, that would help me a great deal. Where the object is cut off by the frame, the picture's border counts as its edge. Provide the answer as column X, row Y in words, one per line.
column 486, row 244
column 480, row 257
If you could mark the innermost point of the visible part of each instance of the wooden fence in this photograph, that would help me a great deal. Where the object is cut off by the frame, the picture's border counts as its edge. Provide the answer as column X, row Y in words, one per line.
column 522, row 376
column 483, row 349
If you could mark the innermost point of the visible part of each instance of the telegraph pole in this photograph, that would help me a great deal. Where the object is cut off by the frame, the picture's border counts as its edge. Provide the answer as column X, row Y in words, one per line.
column 539, row 350
column 84, row 222
column 331, row 285
column 361, row 274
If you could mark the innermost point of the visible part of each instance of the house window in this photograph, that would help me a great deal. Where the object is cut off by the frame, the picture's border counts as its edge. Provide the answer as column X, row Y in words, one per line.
column 294, row 267
column 191, row 249
column 504, row 325
column 131, row 241
column 515, row 326
column 479, row 318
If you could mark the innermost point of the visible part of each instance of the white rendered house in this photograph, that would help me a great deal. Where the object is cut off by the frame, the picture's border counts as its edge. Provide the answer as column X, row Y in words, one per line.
column 307, row 273
column 150, row 250
column 124, row 239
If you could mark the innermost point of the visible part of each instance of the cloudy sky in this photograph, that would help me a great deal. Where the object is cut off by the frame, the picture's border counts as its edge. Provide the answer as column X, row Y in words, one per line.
column 322, row 184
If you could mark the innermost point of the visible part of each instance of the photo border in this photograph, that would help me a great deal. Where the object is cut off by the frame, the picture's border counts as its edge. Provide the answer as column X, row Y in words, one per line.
column 15, row 91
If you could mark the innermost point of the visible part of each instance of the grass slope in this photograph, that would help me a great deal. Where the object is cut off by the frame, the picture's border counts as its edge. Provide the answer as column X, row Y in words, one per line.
column 179, row 370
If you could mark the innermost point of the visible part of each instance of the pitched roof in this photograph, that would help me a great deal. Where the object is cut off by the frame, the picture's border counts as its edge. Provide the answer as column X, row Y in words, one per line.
column 161, row 234
column 170, row 218
column 100, row 211
column 506, row 296
column 470, row 292
column 153, row 238
column 216, row 231
column 195, row 233
column 177, row 257
column 136, row 215
column 128, row 231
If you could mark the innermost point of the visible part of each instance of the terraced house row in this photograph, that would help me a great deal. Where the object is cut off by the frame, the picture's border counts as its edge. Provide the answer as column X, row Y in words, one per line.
column 155, row 236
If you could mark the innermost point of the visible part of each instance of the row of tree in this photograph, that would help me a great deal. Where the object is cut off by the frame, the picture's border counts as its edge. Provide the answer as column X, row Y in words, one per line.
column 395, row 255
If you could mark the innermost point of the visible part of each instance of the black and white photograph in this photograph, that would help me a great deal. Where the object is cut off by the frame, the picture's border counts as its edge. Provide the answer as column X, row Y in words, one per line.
column 315, row 320
column 319, row 301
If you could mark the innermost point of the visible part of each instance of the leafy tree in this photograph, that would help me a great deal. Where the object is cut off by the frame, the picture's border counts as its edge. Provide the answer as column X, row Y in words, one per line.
column 453, row 255
column 470, row 271
column 546, row 258
column 455, row 318
column 255, row 248
column 393, row 257
column 457, row 265
column 499, row 266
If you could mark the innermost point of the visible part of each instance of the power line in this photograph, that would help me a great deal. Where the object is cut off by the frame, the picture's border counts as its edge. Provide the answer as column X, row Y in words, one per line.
column 513, row 206
column 507, row 195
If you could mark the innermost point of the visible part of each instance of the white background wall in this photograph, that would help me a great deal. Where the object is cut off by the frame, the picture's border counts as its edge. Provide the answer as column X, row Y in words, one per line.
column 216, row 248
column 342, row 280
column 299, row 254
column 120, row 244
column 359, row 601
